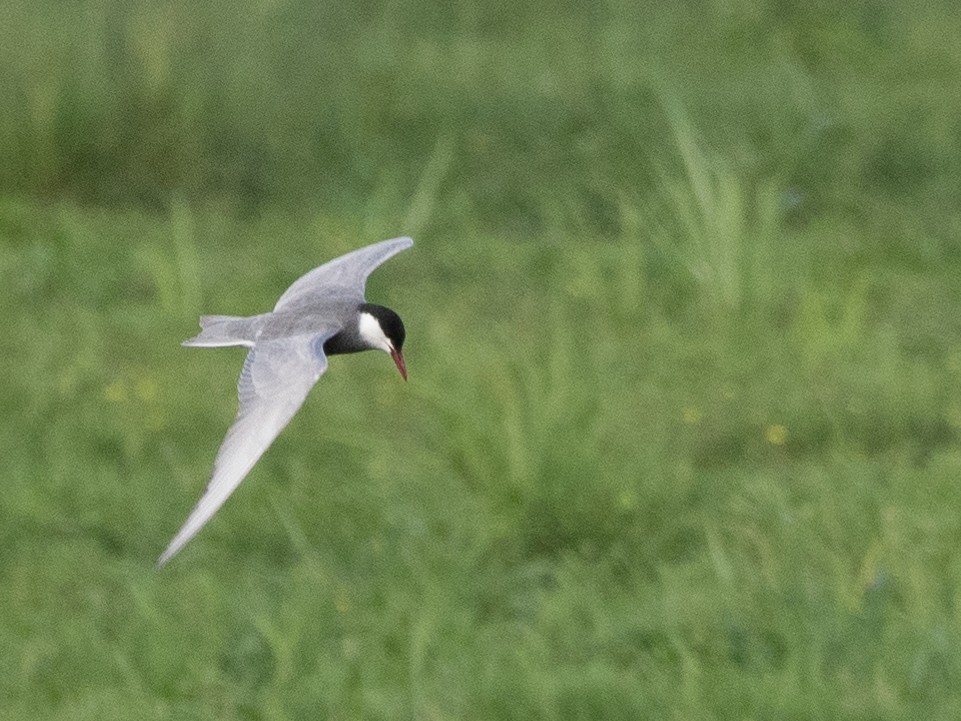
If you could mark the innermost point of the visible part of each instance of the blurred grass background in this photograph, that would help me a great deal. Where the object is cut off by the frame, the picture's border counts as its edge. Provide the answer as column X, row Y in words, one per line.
column 681, row 438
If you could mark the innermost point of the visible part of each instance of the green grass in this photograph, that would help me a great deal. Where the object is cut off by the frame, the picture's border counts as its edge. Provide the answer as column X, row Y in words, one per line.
column 681, row 435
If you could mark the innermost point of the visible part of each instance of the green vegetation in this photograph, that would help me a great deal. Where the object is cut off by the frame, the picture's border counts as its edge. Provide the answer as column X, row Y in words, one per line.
column 681, row 437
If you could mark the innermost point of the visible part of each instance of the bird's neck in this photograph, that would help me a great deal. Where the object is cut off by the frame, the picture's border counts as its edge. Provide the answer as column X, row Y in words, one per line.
column 346, row 341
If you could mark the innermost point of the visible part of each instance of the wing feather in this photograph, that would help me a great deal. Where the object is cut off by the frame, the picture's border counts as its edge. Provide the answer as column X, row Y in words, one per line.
column 275, row 380
column 348, row 271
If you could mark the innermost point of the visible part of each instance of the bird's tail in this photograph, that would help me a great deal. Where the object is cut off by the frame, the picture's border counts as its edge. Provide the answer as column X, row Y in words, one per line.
column 224, row 330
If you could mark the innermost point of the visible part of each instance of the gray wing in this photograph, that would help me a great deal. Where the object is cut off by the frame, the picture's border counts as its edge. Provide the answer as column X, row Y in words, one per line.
column 347, row 271
column 274, row 383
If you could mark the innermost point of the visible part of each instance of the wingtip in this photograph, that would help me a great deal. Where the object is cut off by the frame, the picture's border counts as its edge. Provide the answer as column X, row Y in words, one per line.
column 165, row 557
column 174, row 547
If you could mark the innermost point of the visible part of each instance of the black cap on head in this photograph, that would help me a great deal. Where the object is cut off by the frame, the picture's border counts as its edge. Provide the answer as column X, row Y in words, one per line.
column 390, row 322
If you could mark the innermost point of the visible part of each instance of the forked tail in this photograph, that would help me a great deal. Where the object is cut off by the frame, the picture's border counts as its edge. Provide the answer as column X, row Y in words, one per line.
column 223, row 330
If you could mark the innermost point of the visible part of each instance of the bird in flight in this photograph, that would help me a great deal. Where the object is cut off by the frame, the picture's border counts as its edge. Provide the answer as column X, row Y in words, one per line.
column 322, row 314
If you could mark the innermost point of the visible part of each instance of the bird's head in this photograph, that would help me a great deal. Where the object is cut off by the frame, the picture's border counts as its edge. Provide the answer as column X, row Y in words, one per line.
column 381, row 328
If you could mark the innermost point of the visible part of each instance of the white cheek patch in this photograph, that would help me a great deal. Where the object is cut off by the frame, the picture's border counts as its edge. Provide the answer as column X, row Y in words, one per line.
column 372, row 333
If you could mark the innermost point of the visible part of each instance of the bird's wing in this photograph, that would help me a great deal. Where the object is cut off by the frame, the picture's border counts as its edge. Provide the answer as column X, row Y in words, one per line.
column 274, row 383
column 348, row 271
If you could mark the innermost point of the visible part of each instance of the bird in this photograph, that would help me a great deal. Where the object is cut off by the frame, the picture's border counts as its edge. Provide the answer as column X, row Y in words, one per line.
column 323, row 313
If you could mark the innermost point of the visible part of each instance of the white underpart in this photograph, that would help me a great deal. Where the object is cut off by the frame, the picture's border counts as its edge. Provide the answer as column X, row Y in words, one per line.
column 373, row 334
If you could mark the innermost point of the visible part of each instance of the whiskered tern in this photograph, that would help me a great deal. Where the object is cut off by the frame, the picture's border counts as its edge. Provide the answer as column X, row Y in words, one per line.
column 322, row 314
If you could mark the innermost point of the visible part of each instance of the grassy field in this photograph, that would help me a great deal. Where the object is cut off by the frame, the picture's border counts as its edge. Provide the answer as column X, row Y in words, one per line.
column 682, row 436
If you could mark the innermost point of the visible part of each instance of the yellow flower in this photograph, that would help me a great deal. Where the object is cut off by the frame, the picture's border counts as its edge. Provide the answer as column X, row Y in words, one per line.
column 776, row 435
column 692, row 415
column 146, row 388
column 627, row 500
column 116, row 392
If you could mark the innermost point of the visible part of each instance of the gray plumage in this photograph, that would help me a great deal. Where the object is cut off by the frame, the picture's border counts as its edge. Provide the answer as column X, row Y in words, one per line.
column 322, row 313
